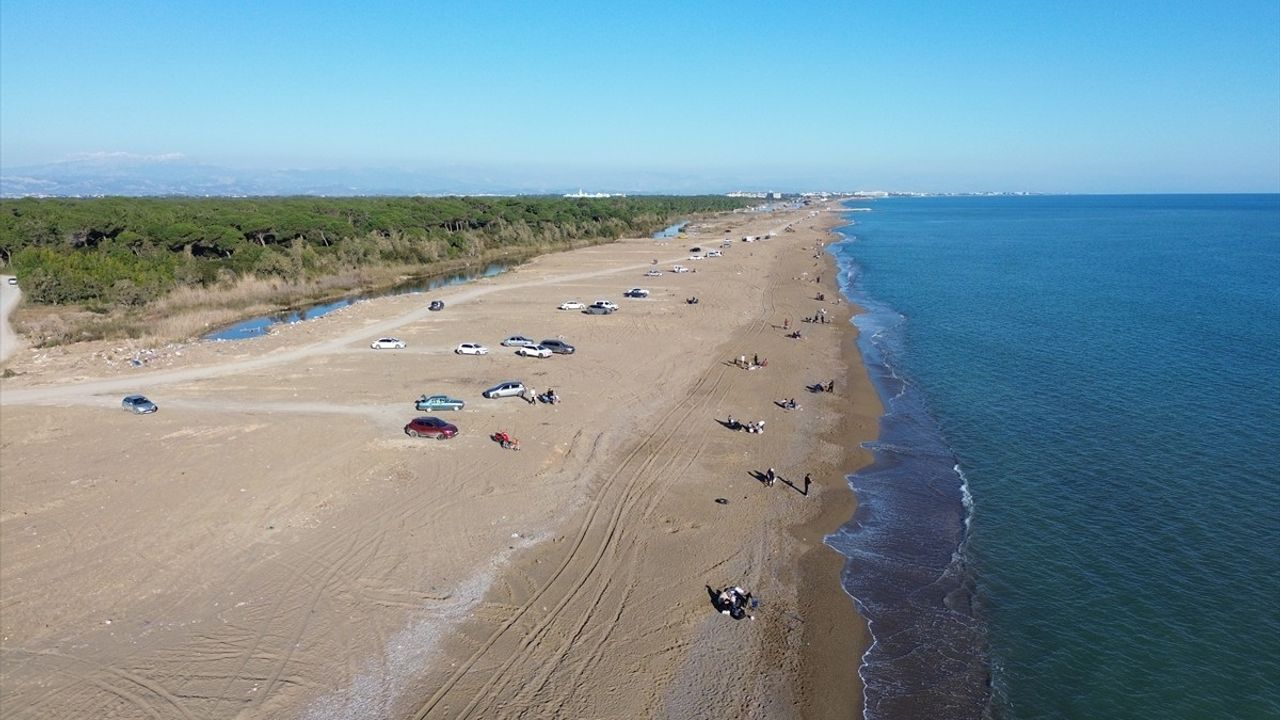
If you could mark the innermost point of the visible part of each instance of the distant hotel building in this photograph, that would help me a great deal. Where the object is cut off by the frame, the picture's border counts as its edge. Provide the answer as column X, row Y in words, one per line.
column 757, row 195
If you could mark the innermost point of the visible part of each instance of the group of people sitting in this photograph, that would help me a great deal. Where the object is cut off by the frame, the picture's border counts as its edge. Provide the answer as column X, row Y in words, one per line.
column 550, row 397
column 734, row 601
column 506, row 441
column 829, row 386
column 789, row 404
column 751, row 427
column 693, row 300
column 794, row 335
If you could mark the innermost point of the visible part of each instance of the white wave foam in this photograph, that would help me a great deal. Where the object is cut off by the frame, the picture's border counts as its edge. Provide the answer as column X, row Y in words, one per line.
column 966, row 497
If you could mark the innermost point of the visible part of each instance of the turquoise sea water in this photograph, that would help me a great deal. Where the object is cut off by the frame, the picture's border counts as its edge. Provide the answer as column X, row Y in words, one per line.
column 1075, row 508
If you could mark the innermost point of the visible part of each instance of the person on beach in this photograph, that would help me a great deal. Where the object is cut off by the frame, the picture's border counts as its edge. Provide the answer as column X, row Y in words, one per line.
column 755, row 359
column 807, row 481
column 786, row 323
column 831, row 386
column 770, row 477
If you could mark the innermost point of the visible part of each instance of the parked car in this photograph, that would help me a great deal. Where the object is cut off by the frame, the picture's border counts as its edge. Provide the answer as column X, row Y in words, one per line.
column 387, row 344
column 508, row 388
column 518, row 341
column 13, row 281
column 598, row 310
column 534, row 351
column 695, row 249
column 714, row 253
column 637, row 293
column 436, row 305
column 653, row 273
column 606, row 304
column 438, row 402
column 139, row 405
column 679, row 269
column 571, row 305
column 430, row 427
column 471, row 349
column 558, row 347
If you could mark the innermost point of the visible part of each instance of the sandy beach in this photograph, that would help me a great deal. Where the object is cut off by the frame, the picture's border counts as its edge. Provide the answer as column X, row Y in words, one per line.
column 271, row 544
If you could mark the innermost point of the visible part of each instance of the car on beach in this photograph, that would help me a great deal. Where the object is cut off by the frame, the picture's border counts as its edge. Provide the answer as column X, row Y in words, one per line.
column 571, row 305
column 430, row 427
column 714, row 253
column 558, row 347
column 535, row 351
column 438, row 402
column 611, row 305
column 387, row 344
column 636, row 293
column 436, row 305
column 13, row 281
column 653, row 273
column 518, row 341
column 679, row 269
column 138, row 405
column 506, row 388
column 598, row 310
column 471, row 349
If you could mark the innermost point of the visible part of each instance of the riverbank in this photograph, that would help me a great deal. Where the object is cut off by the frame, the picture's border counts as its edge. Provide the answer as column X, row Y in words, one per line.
column 278, row 548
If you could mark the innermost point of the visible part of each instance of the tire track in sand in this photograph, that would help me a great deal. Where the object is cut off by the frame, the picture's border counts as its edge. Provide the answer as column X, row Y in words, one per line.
column 603, row 520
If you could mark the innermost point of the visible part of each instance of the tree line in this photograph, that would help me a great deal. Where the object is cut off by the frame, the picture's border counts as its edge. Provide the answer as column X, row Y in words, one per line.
column 129, row 251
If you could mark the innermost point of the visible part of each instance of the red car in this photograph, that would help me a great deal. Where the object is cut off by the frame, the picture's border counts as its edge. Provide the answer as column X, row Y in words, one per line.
column 430, row 427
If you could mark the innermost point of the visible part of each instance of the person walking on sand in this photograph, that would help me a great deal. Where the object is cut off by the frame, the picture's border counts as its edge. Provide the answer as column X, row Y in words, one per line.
column 807, row 481
column 770, row 477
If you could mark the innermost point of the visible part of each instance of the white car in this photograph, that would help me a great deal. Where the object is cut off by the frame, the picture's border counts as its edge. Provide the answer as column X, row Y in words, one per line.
column 653, row 273
column 387, row 344
column 535, row 351
column 637, row 293
column 714, row 253
column 471, row 349
column 518, row 341
column 679, row 269
column 697, row 257
column 609, row 304
column 572, row 305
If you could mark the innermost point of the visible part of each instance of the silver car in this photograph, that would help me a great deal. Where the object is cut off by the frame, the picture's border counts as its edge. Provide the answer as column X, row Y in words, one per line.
column 139, row 405
column 509, row 388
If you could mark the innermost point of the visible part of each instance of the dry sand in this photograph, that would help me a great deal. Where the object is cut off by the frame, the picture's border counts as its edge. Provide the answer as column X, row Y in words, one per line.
column 270, row 544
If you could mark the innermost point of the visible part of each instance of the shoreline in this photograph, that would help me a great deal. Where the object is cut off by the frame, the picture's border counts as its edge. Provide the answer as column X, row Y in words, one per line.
column 459, row 577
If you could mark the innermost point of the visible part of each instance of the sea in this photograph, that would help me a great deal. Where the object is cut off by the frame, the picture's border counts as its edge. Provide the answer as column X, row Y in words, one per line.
column 1074, row 505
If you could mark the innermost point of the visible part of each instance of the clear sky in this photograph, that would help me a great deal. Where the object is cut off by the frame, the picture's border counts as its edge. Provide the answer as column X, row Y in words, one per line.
column 1114, row 96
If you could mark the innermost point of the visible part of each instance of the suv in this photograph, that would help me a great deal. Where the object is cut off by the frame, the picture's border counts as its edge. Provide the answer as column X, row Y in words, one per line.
column 606, row 304
column 559, row 347
column 509, row 388
column 637, row 293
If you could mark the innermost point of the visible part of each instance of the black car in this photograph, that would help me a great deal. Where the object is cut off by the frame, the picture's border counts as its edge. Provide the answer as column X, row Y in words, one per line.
column 559, row 347
column 597, row 310
column 436, row 305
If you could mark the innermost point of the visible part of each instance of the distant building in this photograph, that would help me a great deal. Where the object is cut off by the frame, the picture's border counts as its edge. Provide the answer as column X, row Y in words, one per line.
column 580, row 194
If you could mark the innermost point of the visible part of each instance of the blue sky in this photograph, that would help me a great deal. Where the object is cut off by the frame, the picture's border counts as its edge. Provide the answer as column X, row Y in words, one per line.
column 1038, row 96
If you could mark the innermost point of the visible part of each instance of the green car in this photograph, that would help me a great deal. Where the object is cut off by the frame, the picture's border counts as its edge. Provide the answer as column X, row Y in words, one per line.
column 438, row 402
